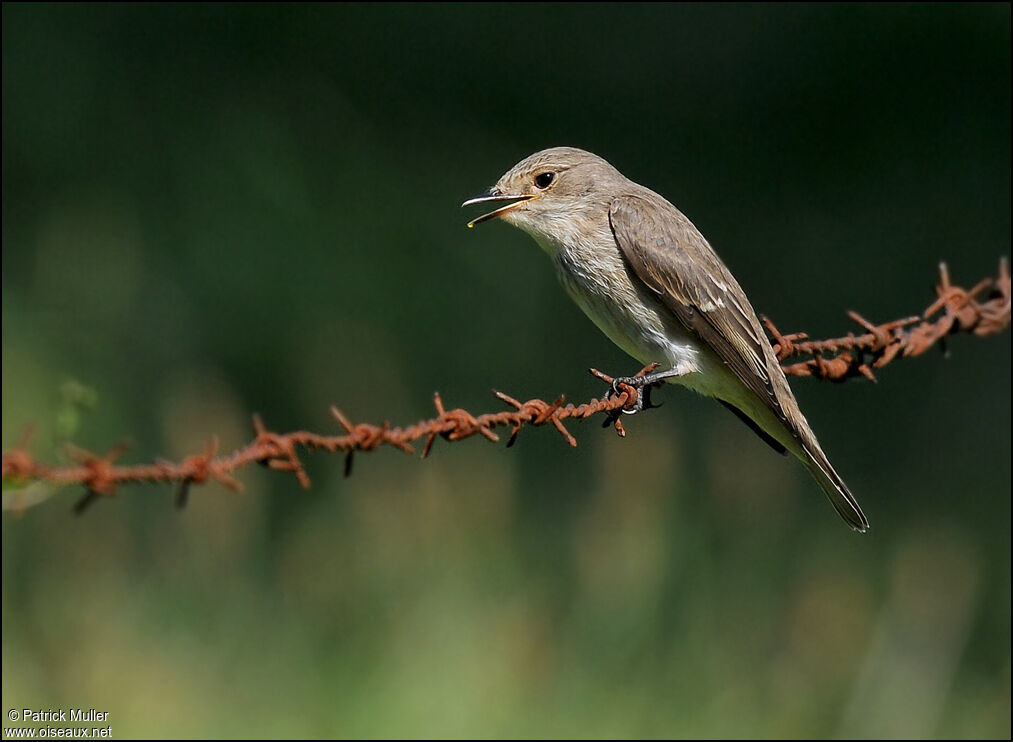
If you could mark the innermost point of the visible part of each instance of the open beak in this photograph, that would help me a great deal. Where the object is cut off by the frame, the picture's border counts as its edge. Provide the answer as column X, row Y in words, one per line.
column 496, row 198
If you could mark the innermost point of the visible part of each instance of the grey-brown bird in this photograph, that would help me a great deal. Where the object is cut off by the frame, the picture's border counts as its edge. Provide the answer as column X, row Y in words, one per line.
column 650, row 281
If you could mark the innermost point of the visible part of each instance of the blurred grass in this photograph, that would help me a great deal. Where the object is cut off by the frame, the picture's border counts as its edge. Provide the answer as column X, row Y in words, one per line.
column 215, row 210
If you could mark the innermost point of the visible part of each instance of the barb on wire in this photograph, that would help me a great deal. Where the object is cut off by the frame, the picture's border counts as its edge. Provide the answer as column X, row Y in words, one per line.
column 981, row 311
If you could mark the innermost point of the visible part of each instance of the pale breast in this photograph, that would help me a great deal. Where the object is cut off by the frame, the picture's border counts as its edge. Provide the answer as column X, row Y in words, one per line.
column 599, row 281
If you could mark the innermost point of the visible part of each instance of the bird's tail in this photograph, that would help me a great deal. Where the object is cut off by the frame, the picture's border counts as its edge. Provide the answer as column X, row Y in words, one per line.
column 840, row 496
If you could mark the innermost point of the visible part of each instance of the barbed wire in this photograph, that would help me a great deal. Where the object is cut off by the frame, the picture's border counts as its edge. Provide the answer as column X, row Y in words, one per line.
column 981, row 311
column 955, row 310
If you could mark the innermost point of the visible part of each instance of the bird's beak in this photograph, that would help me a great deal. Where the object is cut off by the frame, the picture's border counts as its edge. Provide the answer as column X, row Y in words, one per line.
column 492, row 197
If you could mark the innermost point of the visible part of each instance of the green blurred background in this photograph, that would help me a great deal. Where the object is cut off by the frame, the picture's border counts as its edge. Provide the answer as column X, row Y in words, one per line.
column 213, row 211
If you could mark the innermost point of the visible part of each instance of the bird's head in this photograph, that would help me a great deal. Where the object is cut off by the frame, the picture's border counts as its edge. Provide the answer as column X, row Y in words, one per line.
column 549, row 193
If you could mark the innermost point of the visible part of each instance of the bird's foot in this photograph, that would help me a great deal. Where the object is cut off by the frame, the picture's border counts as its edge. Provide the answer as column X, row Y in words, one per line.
column 643, row 389
column 640, row 384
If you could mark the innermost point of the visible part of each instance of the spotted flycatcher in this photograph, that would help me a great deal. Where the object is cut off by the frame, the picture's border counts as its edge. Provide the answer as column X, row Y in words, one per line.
column 647, row 277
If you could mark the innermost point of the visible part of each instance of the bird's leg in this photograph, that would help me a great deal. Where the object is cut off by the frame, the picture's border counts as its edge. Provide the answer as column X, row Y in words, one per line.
column 643, row 381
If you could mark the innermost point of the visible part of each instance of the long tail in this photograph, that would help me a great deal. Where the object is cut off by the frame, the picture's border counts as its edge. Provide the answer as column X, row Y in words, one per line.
column 840, row 496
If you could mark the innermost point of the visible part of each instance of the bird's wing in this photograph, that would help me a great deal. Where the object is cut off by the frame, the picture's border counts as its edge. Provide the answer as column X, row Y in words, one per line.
column 673, row 259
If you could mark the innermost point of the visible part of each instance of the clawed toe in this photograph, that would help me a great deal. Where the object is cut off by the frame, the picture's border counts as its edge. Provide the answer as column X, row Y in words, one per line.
column 646, row 403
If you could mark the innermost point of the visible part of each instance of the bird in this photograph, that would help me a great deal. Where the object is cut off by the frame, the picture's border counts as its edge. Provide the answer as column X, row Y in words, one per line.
column 646, row 276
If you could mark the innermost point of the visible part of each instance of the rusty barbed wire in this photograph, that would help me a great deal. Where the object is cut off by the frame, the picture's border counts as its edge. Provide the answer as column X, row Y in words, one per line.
column 956, row 310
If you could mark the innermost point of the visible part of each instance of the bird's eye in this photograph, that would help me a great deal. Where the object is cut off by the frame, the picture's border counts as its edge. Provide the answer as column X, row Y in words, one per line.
column 544, row 180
